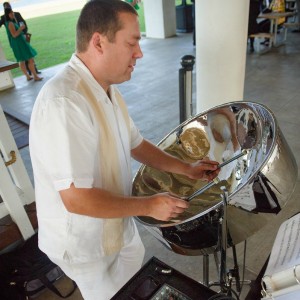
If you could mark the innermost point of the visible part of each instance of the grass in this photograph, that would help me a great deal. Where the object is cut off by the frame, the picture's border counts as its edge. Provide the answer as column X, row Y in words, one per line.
column 53, row 37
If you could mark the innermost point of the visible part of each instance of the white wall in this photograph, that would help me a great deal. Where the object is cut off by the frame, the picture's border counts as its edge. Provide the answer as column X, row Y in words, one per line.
column 221, row 44
column 160, row 18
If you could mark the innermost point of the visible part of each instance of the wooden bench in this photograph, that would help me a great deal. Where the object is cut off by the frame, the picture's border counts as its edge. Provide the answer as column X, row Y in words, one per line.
column 6, row 65
column 263, row 35
column 287, row 26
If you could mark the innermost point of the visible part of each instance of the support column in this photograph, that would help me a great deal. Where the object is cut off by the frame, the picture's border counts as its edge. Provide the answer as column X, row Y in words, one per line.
column 6, row 79
column 160, row 18
column 221, row 44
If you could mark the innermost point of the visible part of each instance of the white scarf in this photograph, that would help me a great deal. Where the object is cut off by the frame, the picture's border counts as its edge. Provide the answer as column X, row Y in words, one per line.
column 113, row 228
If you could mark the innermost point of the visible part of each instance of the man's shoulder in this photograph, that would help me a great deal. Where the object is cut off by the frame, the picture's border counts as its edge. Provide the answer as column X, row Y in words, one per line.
column 18, row 17
column 62, row 84
column 16, row 13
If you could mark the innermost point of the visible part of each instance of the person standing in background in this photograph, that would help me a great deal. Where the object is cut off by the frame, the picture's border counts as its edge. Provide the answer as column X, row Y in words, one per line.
column 254, row 11
column 274, row 6
column 21, row 48
column 134, row 3
column 20, row 20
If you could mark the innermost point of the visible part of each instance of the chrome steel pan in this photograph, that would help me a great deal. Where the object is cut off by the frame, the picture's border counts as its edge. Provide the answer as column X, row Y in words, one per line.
column 259, row 183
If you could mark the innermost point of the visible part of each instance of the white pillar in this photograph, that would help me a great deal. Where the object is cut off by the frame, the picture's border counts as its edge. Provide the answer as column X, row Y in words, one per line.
column 221, row 44
column 160, row 18
column 6, row 79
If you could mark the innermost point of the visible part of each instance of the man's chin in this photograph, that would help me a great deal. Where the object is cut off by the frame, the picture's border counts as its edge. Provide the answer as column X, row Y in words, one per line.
column 125, row 78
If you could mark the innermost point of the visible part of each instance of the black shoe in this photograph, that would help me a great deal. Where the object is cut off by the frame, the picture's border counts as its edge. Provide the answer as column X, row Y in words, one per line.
column 36, row 70
column 29, row 72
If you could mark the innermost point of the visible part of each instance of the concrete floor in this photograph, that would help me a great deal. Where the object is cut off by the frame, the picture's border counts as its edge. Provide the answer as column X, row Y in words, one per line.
column 152, row 95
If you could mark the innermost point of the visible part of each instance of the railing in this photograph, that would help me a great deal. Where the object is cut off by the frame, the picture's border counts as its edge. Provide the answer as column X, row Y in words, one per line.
column 16, row 189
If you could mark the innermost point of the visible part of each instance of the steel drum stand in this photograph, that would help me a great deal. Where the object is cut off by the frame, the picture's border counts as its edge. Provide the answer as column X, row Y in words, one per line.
column 225, row 277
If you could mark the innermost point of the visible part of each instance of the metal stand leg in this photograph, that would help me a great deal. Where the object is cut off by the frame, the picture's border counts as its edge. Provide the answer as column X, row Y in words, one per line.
column 226, row 276
column 235, row 270
column 206, row 269
column 223, row 243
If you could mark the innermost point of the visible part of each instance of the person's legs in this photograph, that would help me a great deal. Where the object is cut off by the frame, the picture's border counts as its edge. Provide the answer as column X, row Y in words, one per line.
column 252, row 44
column 28, row 71
column 36, row 69
column 31, row 67
column 101, row 279
column 92, row 278
column 264, row 26
column 26, row 64
column 24, row 70
column 128, row 262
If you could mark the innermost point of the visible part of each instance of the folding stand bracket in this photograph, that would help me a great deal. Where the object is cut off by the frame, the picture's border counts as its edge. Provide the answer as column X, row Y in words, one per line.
column 225, row 276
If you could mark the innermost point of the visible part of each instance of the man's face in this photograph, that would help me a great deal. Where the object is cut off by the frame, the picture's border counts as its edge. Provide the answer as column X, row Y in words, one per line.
column 121, row 55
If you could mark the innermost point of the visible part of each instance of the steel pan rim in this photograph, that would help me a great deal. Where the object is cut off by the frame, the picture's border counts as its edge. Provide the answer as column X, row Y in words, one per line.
column 202, row 214
column 250, row 179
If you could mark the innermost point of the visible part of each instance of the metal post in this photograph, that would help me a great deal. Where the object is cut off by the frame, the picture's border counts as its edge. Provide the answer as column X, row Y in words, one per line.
column 223, row 240
column 206, row 270
column 185, row 87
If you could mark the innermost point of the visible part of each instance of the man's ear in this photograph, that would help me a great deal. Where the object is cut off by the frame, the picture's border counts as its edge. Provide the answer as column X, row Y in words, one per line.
column 97, row 41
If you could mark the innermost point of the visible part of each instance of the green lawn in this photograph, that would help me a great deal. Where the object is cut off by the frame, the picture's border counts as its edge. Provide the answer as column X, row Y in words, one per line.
column 53, row 37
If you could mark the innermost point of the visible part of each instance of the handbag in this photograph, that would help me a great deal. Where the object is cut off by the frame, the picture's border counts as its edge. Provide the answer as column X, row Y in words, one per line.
column 28, row 37
column 27, row 271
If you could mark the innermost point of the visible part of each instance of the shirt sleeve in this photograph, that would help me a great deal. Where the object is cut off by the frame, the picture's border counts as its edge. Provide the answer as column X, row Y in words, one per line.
column 136, row 137
column 68, row 142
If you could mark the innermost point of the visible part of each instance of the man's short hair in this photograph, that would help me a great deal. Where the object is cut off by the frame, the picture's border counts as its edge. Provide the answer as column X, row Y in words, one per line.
column 100, row 16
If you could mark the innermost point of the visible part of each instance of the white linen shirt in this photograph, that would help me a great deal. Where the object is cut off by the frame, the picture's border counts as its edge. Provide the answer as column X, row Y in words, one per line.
column 64, row 146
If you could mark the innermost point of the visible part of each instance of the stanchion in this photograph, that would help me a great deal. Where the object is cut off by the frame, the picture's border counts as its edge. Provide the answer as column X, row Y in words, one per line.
column 185, row 87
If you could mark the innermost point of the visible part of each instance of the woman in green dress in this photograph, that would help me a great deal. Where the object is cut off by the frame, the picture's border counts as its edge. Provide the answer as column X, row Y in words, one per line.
column 21, row 48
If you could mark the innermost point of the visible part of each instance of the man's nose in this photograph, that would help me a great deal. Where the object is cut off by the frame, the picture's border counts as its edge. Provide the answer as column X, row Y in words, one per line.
column 138, row 52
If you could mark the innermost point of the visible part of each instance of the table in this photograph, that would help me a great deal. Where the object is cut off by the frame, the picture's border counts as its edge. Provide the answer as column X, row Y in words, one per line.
column 274, row 17
column 6, row 65
column 6, row 79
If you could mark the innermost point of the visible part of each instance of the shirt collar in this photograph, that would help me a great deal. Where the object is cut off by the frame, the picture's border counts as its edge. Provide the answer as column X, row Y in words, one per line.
column 77, row 64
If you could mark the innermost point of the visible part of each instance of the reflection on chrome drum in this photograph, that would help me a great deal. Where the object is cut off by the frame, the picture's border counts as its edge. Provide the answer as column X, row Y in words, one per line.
column 259, row 182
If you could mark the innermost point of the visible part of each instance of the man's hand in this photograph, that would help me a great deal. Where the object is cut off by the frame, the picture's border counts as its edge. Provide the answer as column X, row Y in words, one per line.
column 165, row 207
column 204, row 169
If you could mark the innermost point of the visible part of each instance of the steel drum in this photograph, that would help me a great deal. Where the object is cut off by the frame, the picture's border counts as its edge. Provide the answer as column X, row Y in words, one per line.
column 259, row 183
